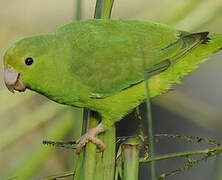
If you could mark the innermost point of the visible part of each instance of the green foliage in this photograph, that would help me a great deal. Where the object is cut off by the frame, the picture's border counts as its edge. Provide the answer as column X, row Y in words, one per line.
column 36, row 158
column 10, row 105
column 33, row 120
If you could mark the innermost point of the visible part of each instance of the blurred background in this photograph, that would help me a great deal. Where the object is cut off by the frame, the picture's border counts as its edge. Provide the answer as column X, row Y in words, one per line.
column 193, row 108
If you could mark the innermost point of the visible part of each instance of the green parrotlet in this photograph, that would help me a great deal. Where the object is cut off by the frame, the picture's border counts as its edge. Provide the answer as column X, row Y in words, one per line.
column 99, row 64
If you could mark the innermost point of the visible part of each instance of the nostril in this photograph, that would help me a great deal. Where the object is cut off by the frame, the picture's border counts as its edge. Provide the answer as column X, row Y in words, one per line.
column 10, row 68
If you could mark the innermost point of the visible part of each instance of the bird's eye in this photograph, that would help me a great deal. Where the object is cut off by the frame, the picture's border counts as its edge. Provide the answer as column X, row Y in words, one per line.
column 29, row 61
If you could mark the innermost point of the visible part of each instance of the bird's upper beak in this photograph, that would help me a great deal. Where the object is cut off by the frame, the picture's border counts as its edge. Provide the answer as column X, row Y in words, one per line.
column 13, row 80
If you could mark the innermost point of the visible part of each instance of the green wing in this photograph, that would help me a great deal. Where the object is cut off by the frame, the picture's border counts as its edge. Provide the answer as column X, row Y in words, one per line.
column 108, row 54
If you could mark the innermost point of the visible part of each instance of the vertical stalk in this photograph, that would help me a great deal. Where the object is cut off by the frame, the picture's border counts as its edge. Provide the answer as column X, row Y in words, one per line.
column 103, row 9
column 131, row 150
column 92, row 165
column 86, row 165
column 150, row 124
column 78, row 15
column 149, row 116
column 105, row 164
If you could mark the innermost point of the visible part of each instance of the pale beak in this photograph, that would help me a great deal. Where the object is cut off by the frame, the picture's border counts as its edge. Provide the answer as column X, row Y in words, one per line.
column 13, row 80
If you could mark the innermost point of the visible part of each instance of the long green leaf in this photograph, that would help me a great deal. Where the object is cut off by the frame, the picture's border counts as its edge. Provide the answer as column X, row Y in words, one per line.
column 40, row 154
column 181, row 12
column 201, row 15
column 8, row 101
column 43, row 114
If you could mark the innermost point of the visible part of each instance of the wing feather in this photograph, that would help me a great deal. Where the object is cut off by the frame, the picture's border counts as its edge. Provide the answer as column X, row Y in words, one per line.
column 109, row 57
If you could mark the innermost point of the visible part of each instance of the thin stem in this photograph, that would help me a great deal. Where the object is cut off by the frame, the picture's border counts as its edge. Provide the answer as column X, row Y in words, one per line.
column 149, row 116
column 103, row 9
column 53, row 177
column 98, row 14
column 86, row 165
column 78, row 15
column 183, row 154
column 190, row 161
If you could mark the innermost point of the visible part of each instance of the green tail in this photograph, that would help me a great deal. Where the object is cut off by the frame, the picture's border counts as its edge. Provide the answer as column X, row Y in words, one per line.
column 163, row 81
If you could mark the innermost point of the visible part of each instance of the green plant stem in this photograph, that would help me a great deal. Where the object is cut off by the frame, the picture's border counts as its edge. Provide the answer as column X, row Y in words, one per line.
column 149, row 116
column 176, row 155
column 103, row 9
column 93, row 165
column 106, row 160
column 78, row 15
column 184, row 154
column 131, row 150
column 86, row 166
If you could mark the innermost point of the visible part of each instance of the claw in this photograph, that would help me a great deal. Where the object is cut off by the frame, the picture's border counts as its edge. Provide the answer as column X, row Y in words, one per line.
column 91, row 136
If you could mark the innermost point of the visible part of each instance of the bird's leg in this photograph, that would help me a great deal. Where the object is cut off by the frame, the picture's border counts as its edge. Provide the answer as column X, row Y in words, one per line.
column 91, row 136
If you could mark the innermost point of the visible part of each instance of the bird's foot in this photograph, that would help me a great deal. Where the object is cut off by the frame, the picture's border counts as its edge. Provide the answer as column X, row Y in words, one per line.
column 91, row 136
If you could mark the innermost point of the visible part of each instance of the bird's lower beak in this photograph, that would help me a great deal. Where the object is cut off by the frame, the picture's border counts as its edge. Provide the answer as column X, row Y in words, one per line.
column 13, row 80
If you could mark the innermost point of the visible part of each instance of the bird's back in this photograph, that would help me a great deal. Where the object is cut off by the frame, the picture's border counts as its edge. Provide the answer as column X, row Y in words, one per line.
column 107, row 55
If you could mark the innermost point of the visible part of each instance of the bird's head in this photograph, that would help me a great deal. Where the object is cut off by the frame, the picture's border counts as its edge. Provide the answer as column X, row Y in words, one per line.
column 25, row 63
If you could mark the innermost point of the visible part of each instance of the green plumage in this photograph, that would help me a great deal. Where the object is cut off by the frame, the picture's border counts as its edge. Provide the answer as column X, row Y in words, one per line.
column 99, row 64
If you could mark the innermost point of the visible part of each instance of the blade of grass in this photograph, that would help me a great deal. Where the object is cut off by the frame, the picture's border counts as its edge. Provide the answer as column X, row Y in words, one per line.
column 149, row 117
column 53, row 177
column 40, row 154
column 78, row 15
column 180, row 12
column 43, row 114
column 200, row 16
column 7, row 102
column 76, row 130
